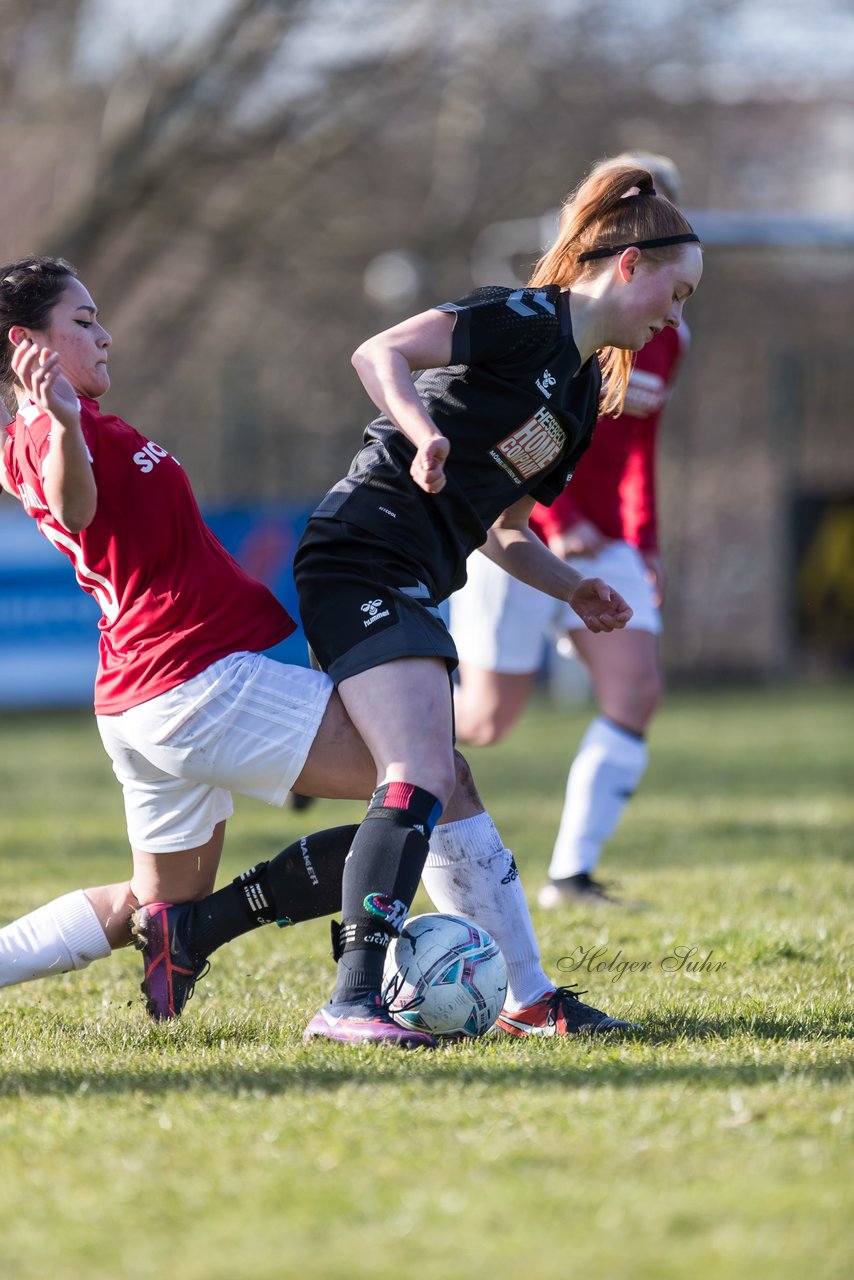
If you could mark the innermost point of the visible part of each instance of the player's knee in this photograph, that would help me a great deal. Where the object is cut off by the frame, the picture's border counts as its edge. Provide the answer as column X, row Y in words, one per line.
column 636, row 703
column 484, row 729
column 486, row 734
column 649, row 694
column 476, row 718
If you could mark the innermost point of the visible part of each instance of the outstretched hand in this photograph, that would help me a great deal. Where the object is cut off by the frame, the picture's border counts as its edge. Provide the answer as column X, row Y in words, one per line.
column 428, row 465
column 598, row 606
column 37, row 369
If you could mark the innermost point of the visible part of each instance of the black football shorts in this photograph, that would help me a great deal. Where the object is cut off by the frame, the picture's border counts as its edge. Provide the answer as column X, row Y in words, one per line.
column 363, row 603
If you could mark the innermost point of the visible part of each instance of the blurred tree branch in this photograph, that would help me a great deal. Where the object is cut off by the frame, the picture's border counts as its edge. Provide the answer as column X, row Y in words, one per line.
column 170, row 116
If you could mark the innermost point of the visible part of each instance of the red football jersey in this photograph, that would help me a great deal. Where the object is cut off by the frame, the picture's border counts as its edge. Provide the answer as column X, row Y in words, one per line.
column 172, row 599
column 614, row 483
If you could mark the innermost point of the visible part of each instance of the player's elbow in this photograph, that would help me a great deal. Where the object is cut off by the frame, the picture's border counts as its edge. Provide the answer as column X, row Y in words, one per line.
column 357, row 359
column 364, row 357
column 77, row 515
column 72, row 500
column 482, row 727
column 74, row 524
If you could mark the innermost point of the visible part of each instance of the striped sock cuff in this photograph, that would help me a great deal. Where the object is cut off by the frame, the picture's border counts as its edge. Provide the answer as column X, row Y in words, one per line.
column 80, row 928
column 466, row 838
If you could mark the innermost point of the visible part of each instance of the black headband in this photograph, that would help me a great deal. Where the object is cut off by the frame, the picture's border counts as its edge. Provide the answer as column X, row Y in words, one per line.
column 658, row 243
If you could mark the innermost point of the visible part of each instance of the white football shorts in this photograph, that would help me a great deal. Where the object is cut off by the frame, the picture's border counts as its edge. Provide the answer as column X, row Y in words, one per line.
column 244, row 724
column 501, row 624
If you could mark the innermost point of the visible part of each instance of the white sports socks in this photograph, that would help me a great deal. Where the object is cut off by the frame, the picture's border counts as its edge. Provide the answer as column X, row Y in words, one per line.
column 470, row 873
column 63, row 935
column 605, row 772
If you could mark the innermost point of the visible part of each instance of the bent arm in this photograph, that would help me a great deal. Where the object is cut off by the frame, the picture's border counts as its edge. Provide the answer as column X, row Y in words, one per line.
column 518, row 550
column 385, row 364
column 515, row 547
column 69, row 482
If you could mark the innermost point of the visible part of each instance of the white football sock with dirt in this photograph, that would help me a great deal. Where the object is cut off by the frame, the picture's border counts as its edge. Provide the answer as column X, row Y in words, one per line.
column 470, row 873
column 605, row 773
column 63, row 935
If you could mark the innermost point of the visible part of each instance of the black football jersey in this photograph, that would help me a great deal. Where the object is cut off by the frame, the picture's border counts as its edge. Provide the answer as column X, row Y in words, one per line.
column 518, row 408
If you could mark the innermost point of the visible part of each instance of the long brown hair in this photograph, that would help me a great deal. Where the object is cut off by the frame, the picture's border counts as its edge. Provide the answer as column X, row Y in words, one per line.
column 600, row 213
column 29, row 290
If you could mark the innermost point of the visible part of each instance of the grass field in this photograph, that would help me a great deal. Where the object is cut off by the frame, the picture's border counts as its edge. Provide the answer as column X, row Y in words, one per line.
column 716, row 1146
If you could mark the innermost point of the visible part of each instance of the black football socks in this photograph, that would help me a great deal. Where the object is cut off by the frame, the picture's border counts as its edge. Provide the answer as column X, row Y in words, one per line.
column 302, row 882
column 381, row 875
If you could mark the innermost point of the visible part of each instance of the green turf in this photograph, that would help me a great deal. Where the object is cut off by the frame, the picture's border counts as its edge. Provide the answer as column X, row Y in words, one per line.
column 715, row 1147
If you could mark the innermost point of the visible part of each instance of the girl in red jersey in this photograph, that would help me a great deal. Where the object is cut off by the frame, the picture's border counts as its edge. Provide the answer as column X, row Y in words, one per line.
column 187, row 706
column 604, row 524
column 501, row 413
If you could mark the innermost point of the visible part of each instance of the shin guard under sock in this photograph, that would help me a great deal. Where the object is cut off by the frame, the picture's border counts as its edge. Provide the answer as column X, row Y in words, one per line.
column 381, row 876
column 470, row 873
column 300, row 883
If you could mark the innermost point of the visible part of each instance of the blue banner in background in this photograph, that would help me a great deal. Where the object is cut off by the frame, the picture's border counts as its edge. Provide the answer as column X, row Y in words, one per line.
column 264, row 541
column 49, row 626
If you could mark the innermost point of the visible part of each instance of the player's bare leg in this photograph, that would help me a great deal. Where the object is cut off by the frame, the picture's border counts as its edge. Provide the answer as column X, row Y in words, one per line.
column 487, row 704
column 469, row 872
column 71, row 931
column 403, row 711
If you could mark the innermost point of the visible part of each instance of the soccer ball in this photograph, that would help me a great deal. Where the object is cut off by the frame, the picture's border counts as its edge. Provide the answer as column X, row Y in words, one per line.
column 444, row 975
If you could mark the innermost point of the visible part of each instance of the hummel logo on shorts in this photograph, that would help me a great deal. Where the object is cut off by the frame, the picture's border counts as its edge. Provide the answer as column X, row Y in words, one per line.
column 375, row 612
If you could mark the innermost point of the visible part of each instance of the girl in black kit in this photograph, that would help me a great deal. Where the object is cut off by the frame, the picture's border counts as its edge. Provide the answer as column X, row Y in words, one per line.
column 506, row 405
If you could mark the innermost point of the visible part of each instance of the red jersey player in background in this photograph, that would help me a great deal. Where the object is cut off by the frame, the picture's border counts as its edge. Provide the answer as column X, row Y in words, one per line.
column 605, row 525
